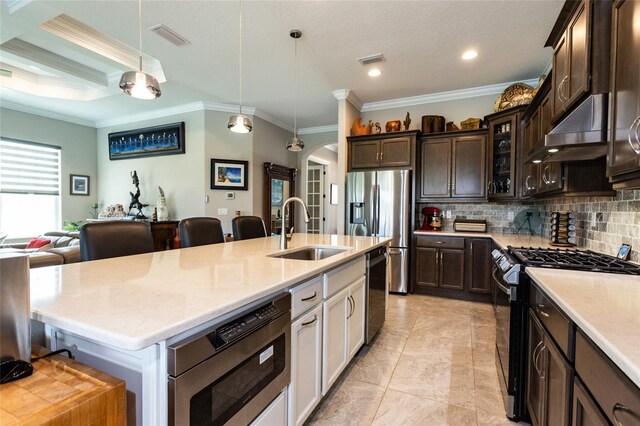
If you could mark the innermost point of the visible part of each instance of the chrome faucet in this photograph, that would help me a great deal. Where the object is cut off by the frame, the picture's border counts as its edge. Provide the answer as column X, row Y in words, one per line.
column 284, row 238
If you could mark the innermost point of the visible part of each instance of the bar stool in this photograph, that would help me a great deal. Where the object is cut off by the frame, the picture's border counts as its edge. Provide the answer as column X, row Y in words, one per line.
column 103, row 240
column 200, row 231
column 247, row 227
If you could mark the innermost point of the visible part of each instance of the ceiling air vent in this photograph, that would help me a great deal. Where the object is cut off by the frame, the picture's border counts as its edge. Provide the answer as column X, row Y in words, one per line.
column 168, row 34
column 371, row 59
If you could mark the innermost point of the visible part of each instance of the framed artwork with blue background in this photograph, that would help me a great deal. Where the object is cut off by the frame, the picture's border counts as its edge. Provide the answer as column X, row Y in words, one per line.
column 159, row 140
column 229, row 174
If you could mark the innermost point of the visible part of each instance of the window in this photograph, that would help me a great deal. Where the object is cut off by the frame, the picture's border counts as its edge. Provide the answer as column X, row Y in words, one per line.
column 29, row 188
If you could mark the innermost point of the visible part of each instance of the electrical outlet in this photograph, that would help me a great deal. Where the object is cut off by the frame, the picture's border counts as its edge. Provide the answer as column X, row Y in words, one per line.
column 593, row 220
column 223, row 212
column 448, row 214
column 510, row 215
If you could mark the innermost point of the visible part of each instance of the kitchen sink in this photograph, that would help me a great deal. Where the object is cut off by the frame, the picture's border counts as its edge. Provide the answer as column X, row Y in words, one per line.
column 309, row 253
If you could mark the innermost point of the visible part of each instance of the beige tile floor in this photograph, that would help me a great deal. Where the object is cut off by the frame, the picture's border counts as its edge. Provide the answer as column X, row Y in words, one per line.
column 431, row 364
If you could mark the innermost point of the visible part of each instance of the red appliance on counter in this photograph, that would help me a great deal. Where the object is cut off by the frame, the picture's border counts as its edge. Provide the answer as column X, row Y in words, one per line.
column 432, row 219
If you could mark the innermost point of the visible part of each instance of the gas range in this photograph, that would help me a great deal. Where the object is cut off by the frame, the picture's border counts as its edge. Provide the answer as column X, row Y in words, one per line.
column 579, row 260
column 512, row 261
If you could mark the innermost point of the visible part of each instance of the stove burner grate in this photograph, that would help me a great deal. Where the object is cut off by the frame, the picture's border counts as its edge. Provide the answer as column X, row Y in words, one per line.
column 581, row 260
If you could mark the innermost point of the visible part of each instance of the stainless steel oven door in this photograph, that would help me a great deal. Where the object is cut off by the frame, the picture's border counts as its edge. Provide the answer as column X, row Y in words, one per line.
column 235, row 385
column 502, row 310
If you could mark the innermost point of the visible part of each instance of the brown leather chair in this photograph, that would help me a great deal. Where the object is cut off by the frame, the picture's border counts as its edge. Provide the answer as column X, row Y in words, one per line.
column 200, row 231
column 102, row 240
column 247, row 227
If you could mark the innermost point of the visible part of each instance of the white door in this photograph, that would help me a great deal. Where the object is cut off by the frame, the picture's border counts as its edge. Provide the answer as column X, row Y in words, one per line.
column 334, row 338
column 315, row 199
column 357, row 316
column 305, row 390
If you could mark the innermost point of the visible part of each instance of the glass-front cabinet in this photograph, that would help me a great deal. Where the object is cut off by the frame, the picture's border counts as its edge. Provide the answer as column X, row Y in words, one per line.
column 504, row 135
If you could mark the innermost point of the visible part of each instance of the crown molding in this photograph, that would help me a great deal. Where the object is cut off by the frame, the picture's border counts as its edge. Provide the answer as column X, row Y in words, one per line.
column 319, row 129
column 218, row 107
column 350, row 96
column 14, row 5
column 44, row 113
column 272, row 120
column 493, row 89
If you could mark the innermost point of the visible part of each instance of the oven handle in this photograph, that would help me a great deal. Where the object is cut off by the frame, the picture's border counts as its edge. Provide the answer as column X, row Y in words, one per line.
column 499, row 284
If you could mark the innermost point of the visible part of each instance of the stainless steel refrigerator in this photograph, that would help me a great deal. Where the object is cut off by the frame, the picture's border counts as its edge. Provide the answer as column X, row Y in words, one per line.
column 379, row 204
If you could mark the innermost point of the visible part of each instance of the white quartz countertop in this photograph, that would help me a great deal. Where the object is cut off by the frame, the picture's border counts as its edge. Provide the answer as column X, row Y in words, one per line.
column 503, row 240
column 606, row 307
column 135, row 301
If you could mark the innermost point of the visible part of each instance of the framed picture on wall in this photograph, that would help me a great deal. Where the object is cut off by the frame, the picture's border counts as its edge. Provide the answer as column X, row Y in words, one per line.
column 229, row 174
column 79, row 185
column 159, row 140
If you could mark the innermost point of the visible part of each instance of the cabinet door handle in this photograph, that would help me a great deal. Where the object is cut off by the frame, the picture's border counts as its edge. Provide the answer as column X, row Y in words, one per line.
column 441, row 242
column 539, row 310
column 526, row 183
column 471, row 246
column 545, row 179
column 381, row 156
column 489, row 187
column 540, row 371
column 315, row 318
column 620, row 407
column 306, row 299
column 535, row 357
column 350, row 308
column 560, row 91
column 636, row 124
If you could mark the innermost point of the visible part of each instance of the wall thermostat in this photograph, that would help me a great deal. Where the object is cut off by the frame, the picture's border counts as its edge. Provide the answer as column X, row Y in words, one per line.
column 231, row 195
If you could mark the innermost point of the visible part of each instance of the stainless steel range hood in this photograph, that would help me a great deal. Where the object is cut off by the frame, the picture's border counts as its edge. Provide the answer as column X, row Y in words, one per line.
column 582, row 135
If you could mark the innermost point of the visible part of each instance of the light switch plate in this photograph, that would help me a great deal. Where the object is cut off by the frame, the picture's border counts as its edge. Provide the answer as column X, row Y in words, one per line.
column 223, row 212
column 448, row 214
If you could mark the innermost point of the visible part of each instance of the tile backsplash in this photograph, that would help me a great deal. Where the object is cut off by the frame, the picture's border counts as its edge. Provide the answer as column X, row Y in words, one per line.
column 603, row 223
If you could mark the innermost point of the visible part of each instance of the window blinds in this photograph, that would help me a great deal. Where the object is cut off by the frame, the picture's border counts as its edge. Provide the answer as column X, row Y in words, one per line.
column 29, row 168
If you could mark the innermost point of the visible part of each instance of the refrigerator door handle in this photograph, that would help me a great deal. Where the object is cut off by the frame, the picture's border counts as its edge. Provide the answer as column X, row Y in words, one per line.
column 378, row 210
column 374, row 210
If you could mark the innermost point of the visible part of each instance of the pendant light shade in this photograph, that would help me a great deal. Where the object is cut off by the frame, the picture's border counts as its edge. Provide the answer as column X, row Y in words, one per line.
column 240, row 123
column 138, row 84
column 295, row 144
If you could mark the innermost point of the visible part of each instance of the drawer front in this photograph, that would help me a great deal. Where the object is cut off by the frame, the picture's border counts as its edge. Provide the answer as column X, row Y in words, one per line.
column 614, row 392
column 339, row 278
column 305, row 296
column 440, row 242
column 554, row 321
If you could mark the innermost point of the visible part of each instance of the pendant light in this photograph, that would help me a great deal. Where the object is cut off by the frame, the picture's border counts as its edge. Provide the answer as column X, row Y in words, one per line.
column 295, row 144
column 137, row 83
column 240, row 123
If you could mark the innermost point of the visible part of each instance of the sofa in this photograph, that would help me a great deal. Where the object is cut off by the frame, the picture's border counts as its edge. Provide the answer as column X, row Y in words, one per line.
column 62, row 247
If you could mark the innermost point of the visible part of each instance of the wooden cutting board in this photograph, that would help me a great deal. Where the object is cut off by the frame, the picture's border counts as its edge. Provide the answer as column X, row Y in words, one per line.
column 62, row 391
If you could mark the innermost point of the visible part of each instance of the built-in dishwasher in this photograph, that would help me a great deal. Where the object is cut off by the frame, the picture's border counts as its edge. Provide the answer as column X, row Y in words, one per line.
column 376, row 291
column 233, row 371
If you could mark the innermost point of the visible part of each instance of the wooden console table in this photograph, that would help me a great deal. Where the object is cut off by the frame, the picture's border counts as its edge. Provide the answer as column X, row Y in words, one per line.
column 164, row 233
column 63, row 391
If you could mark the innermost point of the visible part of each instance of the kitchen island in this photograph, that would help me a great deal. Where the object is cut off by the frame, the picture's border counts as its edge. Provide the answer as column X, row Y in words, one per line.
column 119, row 314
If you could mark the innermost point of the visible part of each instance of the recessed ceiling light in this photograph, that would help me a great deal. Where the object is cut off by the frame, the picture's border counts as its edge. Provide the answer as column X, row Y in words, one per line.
column 552, row 150
column 374, row 72
column 537, row 161
column 469, row 54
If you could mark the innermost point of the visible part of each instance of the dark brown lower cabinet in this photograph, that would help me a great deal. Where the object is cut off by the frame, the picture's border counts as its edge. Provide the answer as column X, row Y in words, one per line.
column 549, row 378
column 585, row 409
column 454, row 267
column 443, row 268
column 479, row 272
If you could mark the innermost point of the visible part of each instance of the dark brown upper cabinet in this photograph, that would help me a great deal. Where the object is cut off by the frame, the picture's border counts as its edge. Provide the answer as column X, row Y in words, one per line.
column 453, row 166
column 624, row 102
column 504, row 142
column 386, row 150
column 581, row 39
